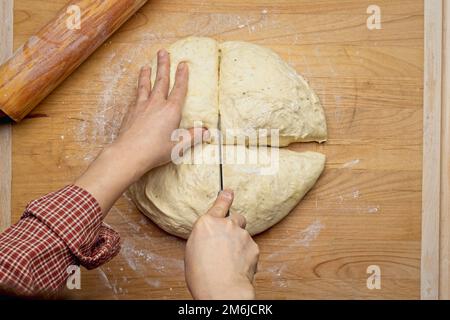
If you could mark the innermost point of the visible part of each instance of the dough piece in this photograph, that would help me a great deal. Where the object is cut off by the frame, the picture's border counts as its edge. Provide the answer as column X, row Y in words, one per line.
column 264, row 198
column 258, row 90
column 201, row 55
column 175, row 196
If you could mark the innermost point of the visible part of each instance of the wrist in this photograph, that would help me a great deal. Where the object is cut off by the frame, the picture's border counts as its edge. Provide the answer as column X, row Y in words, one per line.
column 131, row 160
column 108, row 176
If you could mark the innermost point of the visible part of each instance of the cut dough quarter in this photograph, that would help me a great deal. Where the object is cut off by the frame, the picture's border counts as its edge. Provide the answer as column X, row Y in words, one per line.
column 265, row 195
column 174, row 196
column 258, row 90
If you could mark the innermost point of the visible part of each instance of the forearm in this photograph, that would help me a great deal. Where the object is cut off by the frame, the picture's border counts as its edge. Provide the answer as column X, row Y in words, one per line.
column 110, row 175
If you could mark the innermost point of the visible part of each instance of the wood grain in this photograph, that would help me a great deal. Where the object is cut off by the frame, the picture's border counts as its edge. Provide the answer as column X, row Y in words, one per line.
column 444, row 270
column 365, row 209
column 56, row 50
column 431, row 185
column 6, row 46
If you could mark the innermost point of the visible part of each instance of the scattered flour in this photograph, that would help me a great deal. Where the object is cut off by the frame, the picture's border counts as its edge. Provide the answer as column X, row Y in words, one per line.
column 303, row 238
column 306, row 236
column 373, row 209
column 351, row 164
column 95, row 130
column 104, row 278
column 140, row 259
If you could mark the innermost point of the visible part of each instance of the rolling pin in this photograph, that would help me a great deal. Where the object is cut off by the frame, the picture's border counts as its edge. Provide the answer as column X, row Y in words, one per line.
column 51, row 55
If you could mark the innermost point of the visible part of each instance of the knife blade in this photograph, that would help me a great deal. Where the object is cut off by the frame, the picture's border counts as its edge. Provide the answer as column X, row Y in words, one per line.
column 219, row 140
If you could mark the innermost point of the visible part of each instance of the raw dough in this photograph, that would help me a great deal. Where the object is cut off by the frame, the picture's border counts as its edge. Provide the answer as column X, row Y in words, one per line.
column 253, row 89
column 174, row 196
column 258, row 90
column 265, row 198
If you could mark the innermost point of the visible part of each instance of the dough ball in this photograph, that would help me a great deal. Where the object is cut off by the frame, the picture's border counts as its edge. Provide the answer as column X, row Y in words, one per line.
column 254, row 90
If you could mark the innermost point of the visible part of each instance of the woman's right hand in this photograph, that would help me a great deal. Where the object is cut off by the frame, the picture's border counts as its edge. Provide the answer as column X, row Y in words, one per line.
column 221, row 256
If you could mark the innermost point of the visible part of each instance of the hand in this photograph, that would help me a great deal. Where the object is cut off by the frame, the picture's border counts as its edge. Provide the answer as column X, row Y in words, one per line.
column 144, row 140
column 221, row 256
column 146, row 130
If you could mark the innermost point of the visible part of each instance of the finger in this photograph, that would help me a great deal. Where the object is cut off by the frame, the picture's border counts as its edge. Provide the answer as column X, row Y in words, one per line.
column 161, row 88
column 144, row 84
column 255, row 261
column 178, row 94
column 239, row 219
column 222, row 204
column 253, row 270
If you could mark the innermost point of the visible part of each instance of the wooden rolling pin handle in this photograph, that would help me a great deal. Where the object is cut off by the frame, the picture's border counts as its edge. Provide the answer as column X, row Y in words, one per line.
column 51, row 55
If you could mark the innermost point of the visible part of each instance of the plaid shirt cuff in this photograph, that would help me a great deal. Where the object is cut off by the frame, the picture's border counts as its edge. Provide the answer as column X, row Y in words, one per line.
column 33, row 259
column 75, row 216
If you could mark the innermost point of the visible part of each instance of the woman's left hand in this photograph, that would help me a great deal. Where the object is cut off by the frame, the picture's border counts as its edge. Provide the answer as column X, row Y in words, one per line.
column 147, row 128
column 144, row 140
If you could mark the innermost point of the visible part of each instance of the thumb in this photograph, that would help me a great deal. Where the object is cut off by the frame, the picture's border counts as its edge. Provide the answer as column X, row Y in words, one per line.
column 222, row 204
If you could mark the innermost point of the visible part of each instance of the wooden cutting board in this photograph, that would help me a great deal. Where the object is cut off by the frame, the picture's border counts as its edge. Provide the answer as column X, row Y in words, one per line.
column 366, row 208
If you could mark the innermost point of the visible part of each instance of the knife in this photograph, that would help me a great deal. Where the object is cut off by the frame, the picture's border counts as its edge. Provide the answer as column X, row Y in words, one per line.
column 220, row 156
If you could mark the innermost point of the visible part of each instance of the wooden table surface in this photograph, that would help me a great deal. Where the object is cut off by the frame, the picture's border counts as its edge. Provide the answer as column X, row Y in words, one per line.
column 365, row 209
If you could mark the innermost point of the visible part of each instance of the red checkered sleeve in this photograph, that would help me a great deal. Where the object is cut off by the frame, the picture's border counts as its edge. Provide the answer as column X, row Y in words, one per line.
column 58, row 230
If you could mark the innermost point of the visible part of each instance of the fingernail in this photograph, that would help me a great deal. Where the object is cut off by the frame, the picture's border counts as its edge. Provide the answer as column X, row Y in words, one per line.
column 181, row 65
column 146, row 67
column 162, row 53
column 206, row 135
column 227, row 194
